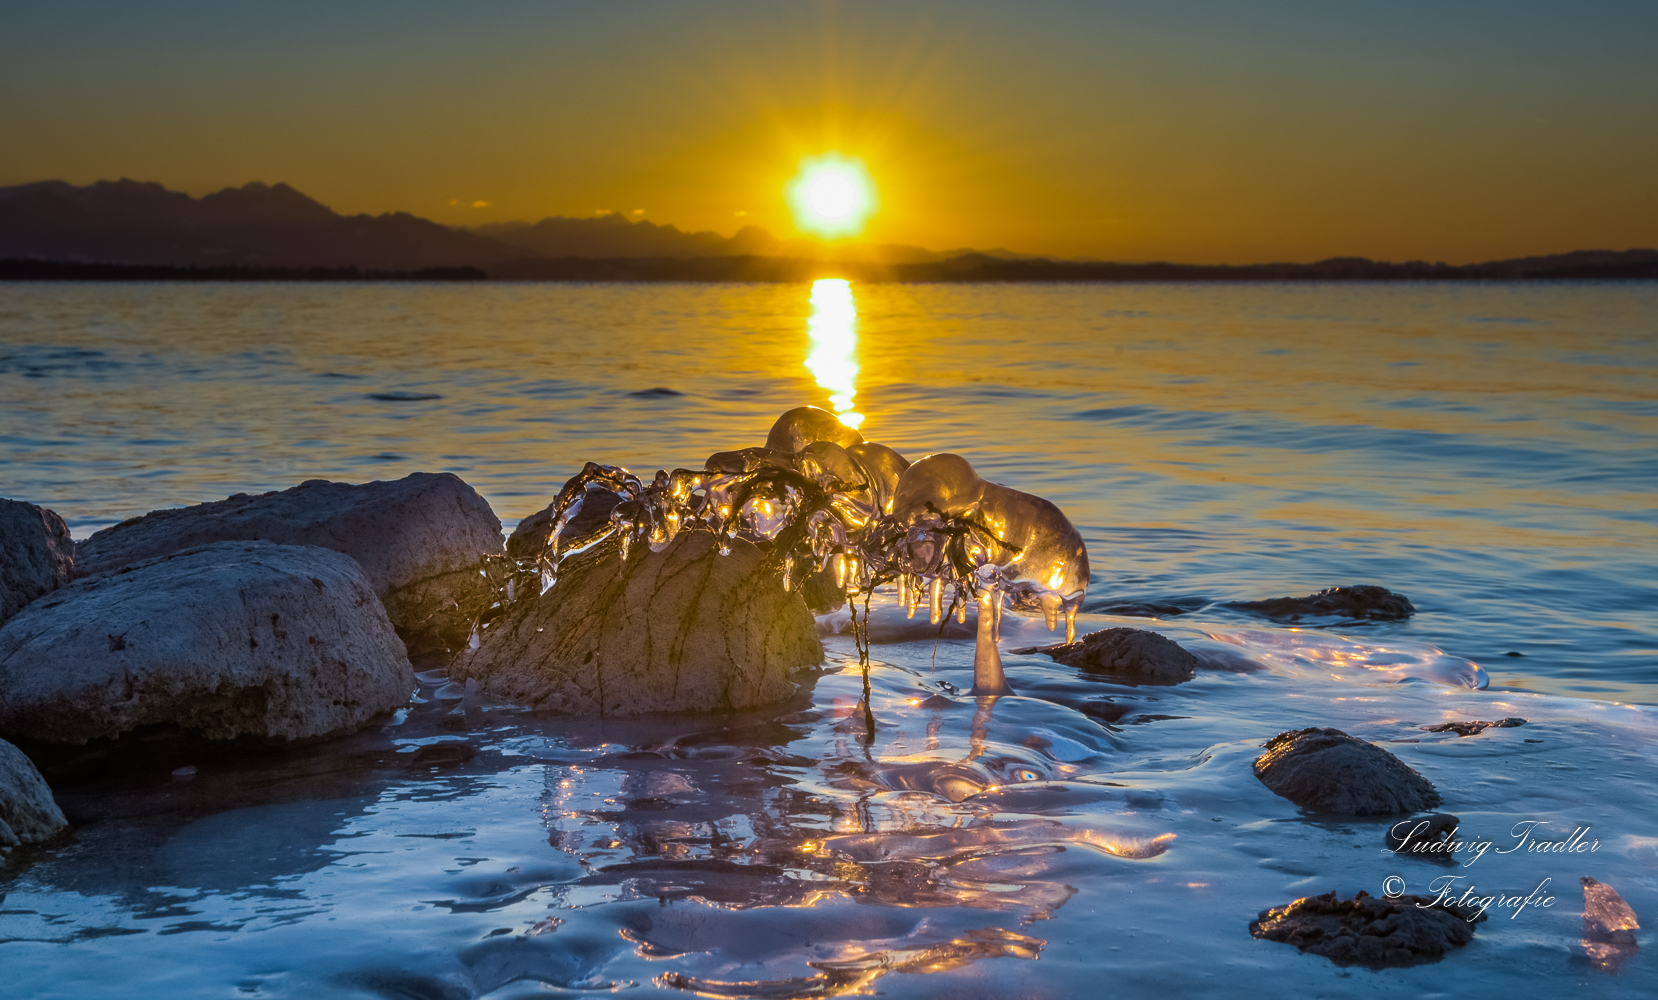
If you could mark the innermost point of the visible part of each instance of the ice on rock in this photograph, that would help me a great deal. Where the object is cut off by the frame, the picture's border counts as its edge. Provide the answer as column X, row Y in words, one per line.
column 840, row 516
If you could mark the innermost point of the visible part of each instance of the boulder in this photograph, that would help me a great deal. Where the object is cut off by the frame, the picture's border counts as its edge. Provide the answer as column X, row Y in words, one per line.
column 1375, row 933
column 1326, row 770
column 1140, row 656
column 419, row 539
column 218, row 641
column 36, row 554
column 684, row 629
column 1364, row 602
column 1609, row 926
column 28, row 813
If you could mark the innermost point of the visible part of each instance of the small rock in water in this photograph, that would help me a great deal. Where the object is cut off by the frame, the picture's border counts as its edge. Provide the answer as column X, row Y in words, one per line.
column 1374, row 933
column 219, row 641
column 1326, row 770
column 1423, row 835
column 1364, row 602
column 1473, row 728
column 683, row 629
column 1144, row 657
column 37, row 555
column 1609, row 926
column 28, row 813
column 188, row 771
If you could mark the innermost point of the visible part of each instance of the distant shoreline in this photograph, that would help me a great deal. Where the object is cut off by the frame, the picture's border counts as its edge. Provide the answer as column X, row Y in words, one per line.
column 1636, row 266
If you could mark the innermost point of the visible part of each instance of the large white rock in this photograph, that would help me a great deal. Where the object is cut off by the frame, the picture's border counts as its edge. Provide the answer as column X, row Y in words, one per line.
column 418, row 538
column 224, row 640
column 684, row 629
column 28, row 813
column 37, row 555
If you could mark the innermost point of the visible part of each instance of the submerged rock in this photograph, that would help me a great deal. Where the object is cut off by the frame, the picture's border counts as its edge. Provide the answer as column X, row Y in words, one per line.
column 1144, row 657
column 1473, row 728
column 684, row 629
column 1365, row 602
column 37, row 555
column 28, row 813
column 1609, row 926
column 1326, row 770
column 219, row 641
column 419, row 539
column 1425, row 836
column 1375, row 933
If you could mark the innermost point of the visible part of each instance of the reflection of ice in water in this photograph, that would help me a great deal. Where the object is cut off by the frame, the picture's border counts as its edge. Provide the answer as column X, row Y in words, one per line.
column 833, row 330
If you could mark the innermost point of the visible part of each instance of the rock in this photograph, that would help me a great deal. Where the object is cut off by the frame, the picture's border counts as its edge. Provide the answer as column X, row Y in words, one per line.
column 1326, row 770
column 28, row 813
column 1609, row 926
column 1145, row 657
column 1424, row 836
column 1365, row 602
column 219, row 641
column 1473, row 728
column 419, row 540
column 36, row 555
column 684, row 629
column 1375, row 933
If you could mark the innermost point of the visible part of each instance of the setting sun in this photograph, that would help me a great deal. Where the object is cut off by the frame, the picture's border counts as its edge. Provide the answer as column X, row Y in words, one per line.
column 831, row 196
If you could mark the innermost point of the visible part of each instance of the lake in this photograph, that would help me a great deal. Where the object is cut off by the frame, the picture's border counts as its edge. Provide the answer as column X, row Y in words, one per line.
column 1488, row 450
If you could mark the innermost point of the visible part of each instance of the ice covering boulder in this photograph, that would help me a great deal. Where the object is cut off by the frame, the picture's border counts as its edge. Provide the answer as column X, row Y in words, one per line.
column 1375, row 933
column 36, row 554
column 220, row 641
column 1326, row 770
column 683, row 629
column 28, row 814
column 419, row 539
column 1136, row 654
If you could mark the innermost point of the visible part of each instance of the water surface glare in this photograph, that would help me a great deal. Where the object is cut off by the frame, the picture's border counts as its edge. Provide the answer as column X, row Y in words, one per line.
column 1490, row 451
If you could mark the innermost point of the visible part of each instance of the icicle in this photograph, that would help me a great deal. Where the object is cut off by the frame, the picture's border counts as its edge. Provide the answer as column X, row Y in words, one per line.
column 996, row 615
column 788, row 572
column 961, row 610
column 512, row 590
column 547, row 579
column 626, row 540
column 1071, row 624
column 474, row 641
column 1050, row 609
column 938, row 599
column 840, row 571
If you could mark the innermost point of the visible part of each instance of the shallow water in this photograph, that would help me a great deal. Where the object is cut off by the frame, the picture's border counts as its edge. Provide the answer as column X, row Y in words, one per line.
column 1487, row 450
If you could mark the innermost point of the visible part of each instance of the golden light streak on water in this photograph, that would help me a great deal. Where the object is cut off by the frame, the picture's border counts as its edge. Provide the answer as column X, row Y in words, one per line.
column 833, row 331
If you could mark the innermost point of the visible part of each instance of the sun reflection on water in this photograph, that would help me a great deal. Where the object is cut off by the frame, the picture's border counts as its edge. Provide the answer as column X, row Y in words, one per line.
column 833, row 331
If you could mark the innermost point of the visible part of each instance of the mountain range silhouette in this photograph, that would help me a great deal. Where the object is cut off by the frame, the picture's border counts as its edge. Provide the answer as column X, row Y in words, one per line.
column 126, row 228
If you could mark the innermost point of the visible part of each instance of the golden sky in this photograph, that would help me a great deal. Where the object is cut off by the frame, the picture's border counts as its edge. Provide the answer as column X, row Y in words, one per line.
column 1188, row 131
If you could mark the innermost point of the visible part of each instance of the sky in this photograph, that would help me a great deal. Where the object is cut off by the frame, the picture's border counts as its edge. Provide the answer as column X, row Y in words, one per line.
column 1186, row 130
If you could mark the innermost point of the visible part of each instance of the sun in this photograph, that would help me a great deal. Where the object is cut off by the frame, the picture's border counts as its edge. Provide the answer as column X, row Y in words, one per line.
column 831, row 196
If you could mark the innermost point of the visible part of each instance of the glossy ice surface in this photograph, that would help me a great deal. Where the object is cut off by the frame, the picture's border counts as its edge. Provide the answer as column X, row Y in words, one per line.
column 1488, row 450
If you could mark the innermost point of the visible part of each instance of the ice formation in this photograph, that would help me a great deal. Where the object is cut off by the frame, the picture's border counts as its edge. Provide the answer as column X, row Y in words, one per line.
column 840, row 516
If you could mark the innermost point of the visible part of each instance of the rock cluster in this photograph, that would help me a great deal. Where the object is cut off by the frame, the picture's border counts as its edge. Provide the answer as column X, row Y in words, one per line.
column 222, row 641
column 419, row 540
column 1375, row 933
column 683, row 629
column 1326, row 770
column 1135, row 654
column 36, row 555
column 1363, row 602
column 28, row 814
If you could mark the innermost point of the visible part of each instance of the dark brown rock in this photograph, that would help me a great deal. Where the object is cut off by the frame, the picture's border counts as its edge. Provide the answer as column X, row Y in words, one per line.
column 1609, row 926
column 37, row 555
column 684, row 629
column 1364, row 602
column 419, row 539
column 1326, row 770
column 1473, row 728
column 1375, row 933
column 1138, row 655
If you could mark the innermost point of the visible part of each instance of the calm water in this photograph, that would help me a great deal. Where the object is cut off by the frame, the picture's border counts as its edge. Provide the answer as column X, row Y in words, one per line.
column 1491, row 451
